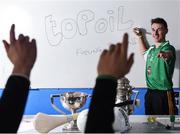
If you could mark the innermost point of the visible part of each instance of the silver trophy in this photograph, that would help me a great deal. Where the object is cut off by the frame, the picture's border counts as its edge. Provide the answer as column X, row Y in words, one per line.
column 124, row 95
column 124, row 105
column 71, row 101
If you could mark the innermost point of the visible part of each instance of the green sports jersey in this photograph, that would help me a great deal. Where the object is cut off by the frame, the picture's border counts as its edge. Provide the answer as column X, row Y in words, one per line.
column 159, row 72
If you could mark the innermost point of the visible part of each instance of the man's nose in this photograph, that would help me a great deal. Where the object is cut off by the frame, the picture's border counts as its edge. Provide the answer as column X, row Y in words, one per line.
column 156, row 32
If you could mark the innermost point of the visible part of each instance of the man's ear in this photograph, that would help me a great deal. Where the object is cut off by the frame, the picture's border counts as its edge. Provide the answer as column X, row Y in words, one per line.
column 166, row 30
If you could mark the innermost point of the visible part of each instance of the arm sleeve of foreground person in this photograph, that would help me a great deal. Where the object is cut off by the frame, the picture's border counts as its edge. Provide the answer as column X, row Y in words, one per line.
column 101, row 115
column 12, row 103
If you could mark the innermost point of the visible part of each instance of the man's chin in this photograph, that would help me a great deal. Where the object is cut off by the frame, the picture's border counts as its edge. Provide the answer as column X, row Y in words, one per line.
column 157, row 41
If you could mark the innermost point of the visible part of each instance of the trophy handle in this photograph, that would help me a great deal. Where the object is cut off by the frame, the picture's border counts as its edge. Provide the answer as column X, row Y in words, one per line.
column 135, row 97
column 89, row 96
column 52, row 96
column 133, row 102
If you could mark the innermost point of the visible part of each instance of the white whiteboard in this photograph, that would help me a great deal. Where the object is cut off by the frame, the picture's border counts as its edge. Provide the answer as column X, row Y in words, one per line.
column 71, row 34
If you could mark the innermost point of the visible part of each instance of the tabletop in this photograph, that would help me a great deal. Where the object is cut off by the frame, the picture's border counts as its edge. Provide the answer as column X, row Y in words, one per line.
column 139, row 124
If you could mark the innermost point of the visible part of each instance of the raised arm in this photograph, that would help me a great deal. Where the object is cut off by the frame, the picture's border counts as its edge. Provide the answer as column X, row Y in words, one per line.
column 140, row 35
column 113, row 64
column 22, row 54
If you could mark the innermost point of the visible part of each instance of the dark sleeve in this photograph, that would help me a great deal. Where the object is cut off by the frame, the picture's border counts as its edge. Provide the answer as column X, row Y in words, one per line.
column 12, row 103
column 101, row 110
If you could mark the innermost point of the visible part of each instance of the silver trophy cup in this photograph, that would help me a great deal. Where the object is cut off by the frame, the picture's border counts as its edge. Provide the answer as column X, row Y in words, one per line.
column 124, row 94
column 71, row 101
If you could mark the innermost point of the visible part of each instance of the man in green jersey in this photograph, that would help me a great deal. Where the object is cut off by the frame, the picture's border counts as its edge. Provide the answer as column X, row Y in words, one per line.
column 160, row 61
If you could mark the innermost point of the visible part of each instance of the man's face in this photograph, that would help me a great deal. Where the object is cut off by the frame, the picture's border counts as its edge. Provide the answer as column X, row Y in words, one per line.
column 158, row 32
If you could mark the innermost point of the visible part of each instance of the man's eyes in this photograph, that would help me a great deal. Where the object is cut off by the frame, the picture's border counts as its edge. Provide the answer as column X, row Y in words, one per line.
column 159, row 29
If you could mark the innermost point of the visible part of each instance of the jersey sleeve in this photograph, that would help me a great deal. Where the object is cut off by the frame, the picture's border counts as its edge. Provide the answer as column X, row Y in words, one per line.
column 169, row 48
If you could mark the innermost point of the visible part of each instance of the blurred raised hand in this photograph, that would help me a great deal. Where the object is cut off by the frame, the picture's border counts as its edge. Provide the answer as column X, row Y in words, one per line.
column 22, row 52
column 115, row 61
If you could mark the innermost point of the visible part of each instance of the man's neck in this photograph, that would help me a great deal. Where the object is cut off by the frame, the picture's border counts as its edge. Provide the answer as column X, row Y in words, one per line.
column 157, row 44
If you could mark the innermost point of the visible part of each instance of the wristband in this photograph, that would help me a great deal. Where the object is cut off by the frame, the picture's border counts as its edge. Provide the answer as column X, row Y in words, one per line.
column 110, row 77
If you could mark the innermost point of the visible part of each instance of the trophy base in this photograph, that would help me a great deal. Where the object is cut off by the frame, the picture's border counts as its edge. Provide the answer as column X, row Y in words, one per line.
column 70, row 127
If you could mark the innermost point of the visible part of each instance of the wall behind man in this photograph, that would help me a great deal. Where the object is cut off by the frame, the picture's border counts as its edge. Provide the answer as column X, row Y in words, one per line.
column 71, row 34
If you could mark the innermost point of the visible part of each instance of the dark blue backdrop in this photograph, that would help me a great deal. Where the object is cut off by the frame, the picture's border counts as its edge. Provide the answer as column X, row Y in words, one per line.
column 39, row 100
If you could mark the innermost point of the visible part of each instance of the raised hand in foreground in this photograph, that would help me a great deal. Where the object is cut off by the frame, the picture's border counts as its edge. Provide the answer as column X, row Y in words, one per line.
column 115, row 61
column 21, row 52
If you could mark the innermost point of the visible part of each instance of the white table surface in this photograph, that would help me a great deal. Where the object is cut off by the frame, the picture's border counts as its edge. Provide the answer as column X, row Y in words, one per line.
column 138, row 123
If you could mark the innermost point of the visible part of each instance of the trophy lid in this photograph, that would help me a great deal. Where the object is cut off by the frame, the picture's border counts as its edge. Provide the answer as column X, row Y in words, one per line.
column 123, row 81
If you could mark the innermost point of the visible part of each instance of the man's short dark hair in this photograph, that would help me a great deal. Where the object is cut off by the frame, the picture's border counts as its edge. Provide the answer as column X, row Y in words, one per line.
column 159, row 20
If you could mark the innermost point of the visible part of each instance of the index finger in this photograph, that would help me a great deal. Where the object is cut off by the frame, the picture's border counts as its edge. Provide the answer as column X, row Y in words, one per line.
column 12, row 34
column 124, row 45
